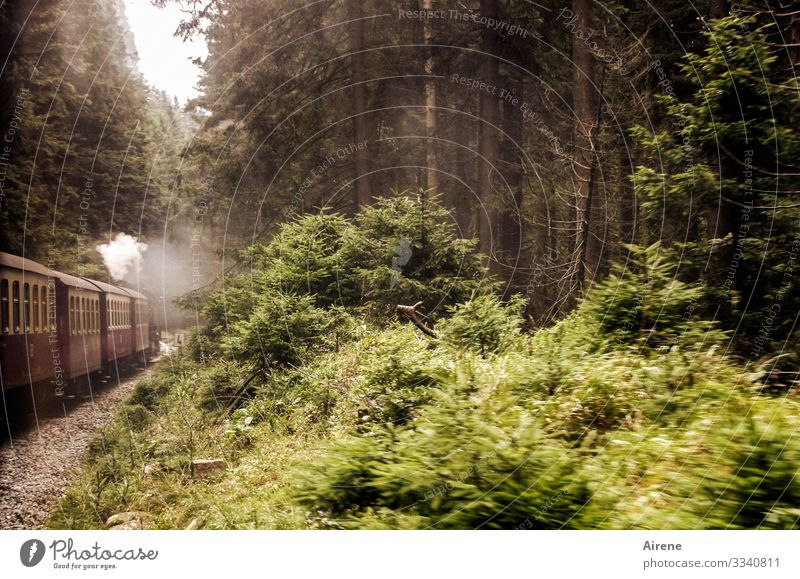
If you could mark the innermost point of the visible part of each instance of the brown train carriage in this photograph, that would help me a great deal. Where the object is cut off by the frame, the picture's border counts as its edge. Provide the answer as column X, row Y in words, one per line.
column 27, row 322
column 78, row 304
column 116, row 322
column 141, row 321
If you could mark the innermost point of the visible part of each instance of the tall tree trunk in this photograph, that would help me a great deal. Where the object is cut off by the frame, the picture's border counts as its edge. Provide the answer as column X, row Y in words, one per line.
column 461, row 198
column 583, row 103
column 431, row 118
column 362, row 195
column 717, row 8
column 628, row 203
column 512, row 162
column 488, row 133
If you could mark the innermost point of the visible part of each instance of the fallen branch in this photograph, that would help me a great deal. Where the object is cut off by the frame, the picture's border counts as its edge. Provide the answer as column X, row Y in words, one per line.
column 240, row 392
column 417, row 318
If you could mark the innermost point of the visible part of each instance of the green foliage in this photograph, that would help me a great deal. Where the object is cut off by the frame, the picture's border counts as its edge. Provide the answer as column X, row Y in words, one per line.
column 466, row 462
column 408, row 250
column 484, row 325
column 643, row 302
column 725, row 189
column 320, row 269
column 93, row 146
column 281, row 330
column 396, row 376
column 307, row 256
column 148, row 392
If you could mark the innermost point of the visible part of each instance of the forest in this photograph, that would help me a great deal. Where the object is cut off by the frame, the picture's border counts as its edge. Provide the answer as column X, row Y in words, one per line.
column 489, row 264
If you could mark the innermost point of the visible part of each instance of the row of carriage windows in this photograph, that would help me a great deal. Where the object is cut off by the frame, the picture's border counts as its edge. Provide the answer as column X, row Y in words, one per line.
column 84, row 315
column 119, row 313
column 23, row 311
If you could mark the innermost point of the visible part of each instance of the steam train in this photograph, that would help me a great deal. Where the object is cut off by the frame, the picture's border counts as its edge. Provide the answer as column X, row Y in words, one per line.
column 57, row 329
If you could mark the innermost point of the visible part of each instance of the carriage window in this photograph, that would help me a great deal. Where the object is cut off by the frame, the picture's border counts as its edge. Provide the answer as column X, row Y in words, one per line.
column 72, row 315
column 44, row 309
column 15, row 306
column 36, row 308
column 26, row 307
column 96, row 316
column 4, row 305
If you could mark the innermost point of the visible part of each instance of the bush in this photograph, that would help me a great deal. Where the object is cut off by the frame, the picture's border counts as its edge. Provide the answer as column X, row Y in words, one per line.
column 150, row 391
column 396, row 372
column 644, row 303
column 220, row 384
column 280, row 331
column 406, row 249
column 484, row 325
column 307, row 257
column 460, row 465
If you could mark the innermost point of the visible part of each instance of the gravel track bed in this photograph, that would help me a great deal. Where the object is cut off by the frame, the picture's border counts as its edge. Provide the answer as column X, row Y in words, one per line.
column 37, row 465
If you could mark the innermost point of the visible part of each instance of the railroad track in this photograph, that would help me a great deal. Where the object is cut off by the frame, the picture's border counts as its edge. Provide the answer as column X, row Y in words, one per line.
column 41, row 456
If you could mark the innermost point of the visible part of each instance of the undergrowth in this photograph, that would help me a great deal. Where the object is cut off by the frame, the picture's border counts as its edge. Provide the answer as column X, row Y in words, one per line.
column 625, row 414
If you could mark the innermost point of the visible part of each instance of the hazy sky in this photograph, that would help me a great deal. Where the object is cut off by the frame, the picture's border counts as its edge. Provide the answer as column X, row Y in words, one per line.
column 163, row 58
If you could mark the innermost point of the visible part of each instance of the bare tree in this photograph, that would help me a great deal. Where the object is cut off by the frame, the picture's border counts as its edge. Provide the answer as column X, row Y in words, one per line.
column 583, row 102
column 431, row 118
column 362, row 194
column 488, row 135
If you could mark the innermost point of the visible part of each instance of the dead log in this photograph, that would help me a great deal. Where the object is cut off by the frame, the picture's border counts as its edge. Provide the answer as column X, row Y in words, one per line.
column 413, row 314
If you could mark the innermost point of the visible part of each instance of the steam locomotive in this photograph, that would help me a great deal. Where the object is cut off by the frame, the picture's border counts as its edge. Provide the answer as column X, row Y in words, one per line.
column 58, row 329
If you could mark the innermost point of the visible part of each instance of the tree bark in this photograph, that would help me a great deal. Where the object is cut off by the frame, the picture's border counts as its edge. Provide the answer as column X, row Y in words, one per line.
column 431, row 118
column 583, row 103
column 488, row 134
column 361, row 189
column 510, row 222
column 717, row 8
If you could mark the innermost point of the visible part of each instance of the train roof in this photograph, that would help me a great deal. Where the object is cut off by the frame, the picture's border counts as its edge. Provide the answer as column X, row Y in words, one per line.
column 136, row 294
column 108, row 288
column 17, row 262
column 76, row 282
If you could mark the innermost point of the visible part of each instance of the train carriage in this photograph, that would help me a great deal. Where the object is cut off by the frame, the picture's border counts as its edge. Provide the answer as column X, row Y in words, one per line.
column 140, row 322
column 116, row 323
column 56, row 327
column 78, row 305
column 26, row 322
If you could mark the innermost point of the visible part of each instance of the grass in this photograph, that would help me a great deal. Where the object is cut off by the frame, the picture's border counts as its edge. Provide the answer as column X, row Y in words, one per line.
column 393, row 430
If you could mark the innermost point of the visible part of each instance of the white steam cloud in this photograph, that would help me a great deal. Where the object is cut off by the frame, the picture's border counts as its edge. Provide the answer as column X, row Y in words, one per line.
column 122, row 255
